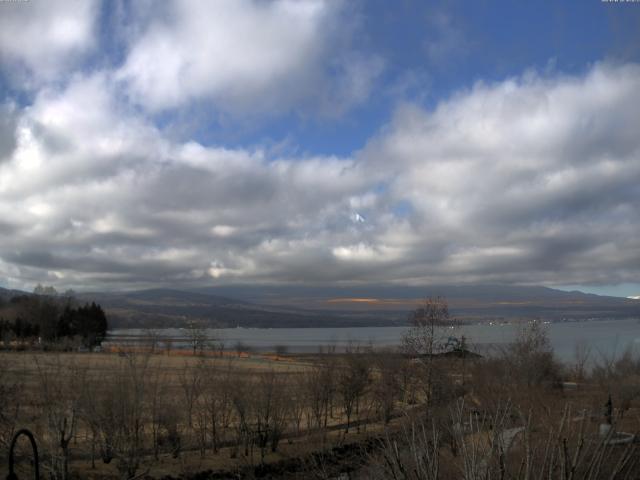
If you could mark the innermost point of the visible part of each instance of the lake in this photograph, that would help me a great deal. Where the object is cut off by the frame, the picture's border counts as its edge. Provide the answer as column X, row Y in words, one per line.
column 603, row 337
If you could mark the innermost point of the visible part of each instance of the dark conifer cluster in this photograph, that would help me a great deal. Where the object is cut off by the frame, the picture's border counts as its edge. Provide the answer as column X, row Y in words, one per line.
column 52, row 318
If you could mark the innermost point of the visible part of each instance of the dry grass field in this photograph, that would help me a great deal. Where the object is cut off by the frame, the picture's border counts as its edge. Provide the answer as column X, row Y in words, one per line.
column 370, row 414
column 191, row 412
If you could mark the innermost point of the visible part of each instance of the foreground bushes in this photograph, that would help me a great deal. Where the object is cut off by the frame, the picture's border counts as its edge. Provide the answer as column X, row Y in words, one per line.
column 503, row 444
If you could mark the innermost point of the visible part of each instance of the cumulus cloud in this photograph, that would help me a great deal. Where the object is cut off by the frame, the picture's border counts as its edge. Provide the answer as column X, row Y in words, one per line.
column 247, row 56
column 98, row 195
column 532, row 179
column 40, row 40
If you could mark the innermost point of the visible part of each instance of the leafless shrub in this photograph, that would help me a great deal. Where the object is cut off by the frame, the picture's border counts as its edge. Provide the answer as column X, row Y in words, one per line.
column 320, row 386
column 353, row 378
column 416, row 458
column 60, row 394
column 581, row 356
column 218, row 395
column 505, row 444
column 620, row 376
column 169, row 430
column 387, row 384
column 269, row 412
column 242, row 405
column 531, row 357
column 156, row 405
column 298, row 400
column 11, row 403
column 127, row 397
column 191, row 380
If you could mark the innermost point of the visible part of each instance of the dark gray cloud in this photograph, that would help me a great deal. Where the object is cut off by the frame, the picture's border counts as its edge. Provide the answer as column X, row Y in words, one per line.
column 8, row 124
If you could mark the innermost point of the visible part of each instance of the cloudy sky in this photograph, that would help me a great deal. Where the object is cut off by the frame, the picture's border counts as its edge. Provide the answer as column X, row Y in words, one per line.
column 195, row 143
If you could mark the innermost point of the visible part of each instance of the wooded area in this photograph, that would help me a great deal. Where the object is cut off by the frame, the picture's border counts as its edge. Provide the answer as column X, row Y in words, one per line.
column 51, row 321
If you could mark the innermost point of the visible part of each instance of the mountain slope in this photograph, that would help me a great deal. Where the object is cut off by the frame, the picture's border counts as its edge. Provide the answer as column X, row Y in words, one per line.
column 176, row 308
column 6, row 294
column 349, row 306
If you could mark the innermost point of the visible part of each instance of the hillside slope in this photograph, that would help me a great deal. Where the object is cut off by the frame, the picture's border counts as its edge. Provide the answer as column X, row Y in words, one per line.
column 333, row 307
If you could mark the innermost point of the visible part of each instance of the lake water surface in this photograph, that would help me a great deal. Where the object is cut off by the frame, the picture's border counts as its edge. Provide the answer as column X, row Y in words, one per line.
column 603, row 337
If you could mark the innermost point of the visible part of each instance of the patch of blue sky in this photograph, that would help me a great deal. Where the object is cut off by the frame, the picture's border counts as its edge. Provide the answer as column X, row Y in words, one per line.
column 403, row 209
column 304, row 136
column 111, row 36
column 456, row 44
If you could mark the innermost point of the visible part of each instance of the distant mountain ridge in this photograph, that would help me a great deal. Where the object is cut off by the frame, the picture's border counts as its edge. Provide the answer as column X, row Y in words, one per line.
column 298, row 306
column 269, row 306
column 176, row 308
column 6, row 293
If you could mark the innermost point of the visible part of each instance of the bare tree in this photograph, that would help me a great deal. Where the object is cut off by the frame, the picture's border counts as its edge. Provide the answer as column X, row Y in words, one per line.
column 269, row 412
column 424, row 339
column 129, row 389
column 386, row 386
column 89, row 412
column 168, row 345
column 99, row 412
column 298, row 399
column 216, row 345
column 170, row 429
column 581, row 355
column 11, row 404
column 240, row 347
column 152, row 339
column 217, row 396
column 530, row 358
column 156, row 405
column 353, row 377
column 197, row 336
column 191, row 380
column 242, row 404
column 281, row 350
column 60, row 393
column 320, row 385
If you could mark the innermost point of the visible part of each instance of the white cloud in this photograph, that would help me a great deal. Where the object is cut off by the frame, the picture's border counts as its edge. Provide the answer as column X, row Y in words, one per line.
column 42, row 39
column 527, row 179
column 223, row 230
column 532, row 179
column 101, row 196
column 247, row 56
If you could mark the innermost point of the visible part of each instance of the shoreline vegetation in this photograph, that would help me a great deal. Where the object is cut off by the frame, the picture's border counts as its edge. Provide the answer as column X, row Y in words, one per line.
column 431, row 410
column 48, row 320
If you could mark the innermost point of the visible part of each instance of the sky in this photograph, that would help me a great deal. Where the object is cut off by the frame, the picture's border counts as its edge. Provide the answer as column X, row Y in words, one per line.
column 200, row 143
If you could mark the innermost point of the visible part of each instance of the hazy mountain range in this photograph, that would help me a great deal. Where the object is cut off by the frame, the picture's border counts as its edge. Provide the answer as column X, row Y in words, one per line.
column 279, row 306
